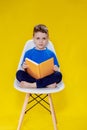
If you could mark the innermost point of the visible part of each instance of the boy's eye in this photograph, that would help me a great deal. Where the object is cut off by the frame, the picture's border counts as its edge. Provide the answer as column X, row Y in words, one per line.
column 37, row 38
column 44, row 38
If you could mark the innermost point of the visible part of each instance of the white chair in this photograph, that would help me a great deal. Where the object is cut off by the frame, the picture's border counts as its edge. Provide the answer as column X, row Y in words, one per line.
column 37, row 91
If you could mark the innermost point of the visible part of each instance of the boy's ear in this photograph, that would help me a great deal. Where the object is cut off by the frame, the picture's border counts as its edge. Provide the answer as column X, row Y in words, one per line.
column 33, row 37
column 33, row 40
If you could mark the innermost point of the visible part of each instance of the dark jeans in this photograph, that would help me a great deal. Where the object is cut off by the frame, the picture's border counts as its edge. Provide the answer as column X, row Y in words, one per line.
column 41, row 83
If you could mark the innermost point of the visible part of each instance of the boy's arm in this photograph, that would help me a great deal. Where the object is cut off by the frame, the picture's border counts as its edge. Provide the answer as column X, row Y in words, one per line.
column 24, row 66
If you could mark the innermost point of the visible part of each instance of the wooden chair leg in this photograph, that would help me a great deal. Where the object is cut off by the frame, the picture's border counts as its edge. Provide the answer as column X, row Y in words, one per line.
column 52, row 112
column 23, row 111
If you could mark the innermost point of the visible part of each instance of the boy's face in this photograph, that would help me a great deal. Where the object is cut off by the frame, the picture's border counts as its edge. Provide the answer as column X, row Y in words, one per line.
column 40, row 40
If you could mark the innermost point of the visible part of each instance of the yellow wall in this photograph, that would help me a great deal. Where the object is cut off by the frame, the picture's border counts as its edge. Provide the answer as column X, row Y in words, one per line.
column 67, row 23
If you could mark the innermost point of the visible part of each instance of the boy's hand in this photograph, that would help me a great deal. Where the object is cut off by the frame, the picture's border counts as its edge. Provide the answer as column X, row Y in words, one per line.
column 24, row 66
column 56, row 68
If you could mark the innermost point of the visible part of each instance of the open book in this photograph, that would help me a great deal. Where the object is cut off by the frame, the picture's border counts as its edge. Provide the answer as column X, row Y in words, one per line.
column 41, row 70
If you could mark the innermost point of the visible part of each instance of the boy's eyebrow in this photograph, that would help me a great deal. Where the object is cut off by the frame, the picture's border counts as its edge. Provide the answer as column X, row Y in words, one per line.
column 44, row 37
column 38, row 37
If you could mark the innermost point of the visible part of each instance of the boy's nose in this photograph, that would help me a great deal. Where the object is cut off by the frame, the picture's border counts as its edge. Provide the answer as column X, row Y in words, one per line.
column 41, row 40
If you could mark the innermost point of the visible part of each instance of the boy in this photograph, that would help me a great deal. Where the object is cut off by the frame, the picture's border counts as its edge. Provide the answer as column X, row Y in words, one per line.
column 39, row 54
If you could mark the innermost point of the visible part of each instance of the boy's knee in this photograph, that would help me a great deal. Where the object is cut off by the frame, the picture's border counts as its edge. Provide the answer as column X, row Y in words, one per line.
column 59, row 76
column 18, row 74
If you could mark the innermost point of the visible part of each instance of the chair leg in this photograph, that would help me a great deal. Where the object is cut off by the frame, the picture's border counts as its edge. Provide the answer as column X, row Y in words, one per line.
column 52, row 112
column 23, row 110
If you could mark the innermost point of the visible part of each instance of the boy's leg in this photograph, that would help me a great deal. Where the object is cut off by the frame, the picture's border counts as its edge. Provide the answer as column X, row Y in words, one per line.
column 23, row 76
column 26, row 81
column 56, row 77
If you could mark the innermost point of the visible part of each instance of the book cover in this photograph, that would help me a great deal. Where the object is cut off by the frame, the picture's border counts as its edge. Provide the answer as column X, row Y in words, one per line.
column 40, row 70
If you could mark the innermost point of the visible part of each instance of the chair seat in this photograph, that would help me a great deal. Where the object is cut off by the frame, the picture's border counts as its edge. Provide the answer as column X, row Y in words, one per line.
column 60, row 86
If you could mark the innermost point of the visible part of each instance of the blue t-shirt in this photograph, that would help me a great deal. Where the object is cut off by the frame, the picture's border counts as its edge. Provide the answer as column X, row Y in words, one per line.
column 39, row 56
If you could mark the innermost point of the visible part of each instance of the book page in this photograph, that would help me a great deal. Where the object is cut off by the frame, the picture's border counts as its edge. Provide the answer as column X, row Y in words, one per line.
column 33, row 69
column 46, row 67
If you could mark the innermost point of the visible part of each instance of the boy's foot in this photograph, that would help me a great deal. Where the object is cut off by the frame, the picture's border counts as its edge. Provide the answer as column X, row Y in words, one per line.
column 52, row 85
column 24, row 84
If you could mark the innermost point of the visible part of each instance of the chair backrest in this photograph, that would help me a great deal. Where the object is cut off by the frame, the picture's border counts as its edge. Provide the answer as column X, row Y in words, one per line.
column 60, row 86
column 30, row 44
